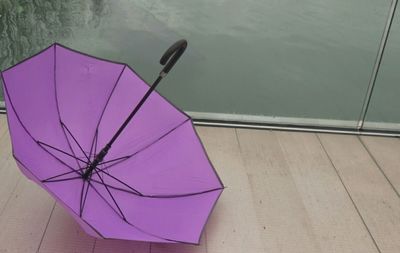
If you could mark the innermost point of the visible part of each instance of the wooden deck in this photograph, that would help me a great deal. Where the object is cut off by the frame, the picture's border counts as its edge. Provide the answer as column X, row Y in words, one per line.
column 286, row 192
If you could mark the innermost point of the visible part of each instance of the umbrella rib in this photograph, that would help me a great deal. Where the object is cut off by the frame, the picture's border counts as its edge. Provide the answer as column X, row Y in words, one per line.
column 56, row 100
column 108, row 100
column 172, row 196
column 125, row 220
column 62, row 162
column 112, row 197
column 81, row 198
column 60, row 180
column 161, row 196
column 147, row 146
column 133, row 189
column 93, row 143
column 84, row 199
column 62, row 174
column 98, row 193
column 77, row 143
column 159, row 138
column 205, row 152
column 151, row 234
column 118, row 162
column 113, row 160
column 61, row 151
column 26, row 130
column 45, row 187
column 70, row 147
column 136, row 192
column 115, row 188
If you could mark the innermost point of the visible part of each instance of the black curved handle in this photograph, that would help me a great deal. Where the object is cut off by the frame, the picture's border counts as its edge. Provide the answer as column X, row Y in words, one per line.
column 171, row 56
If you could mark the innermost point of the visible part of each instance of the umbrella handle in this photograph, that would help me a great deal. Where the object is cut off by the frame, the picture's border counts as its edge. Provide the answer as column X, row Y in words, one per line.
column 171, row 56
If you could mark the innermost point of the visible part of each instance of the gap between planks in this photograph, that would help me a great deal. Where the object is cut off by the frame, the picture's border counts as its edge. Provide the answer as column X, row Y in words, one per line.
column 374, row 197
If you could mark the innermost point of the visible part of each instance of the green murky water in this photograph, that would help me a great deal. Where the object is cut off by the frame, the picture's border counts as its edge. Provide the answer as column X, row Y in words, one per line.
column 309, row 58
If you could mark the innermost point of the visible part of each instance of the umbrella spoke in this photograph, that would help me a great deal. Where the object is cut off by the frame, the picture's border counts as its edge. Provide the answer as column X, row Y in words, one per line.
column 69, row 145
column 114, row 187
column 57, row 104
column 26, row 167
column 105, row 106
column 112, row 197
column 105, row 200
column 66, row 138
column 111, row 165
column 123, row 183
column 26, row 130
column 94, row 144
column 83, row 196
column 122, row 216
column 61, row 151
column 63, row 174
column 169, row 196
column 77, row 143
column 60, row 180
column 145, row 147
column 55, row 157
column 84, row 199
column 113, row 160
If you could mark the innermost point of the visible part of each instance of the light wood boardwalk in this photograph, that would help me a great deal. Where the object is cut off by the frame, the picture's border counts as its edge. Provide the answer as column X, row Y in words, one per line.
column 286, row 192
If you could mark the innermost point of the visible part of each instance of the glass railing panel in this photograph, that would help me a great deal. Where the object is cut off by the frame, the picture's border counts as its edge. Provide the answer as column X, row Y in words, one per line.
column 384, row 110
column 299, row 62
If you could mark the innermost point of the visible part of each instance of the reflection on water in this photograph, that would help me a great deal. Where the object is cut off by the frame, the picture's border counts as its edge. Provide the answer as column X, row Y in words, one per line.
column 28, row 26
column 116, row 30
column 308, row 58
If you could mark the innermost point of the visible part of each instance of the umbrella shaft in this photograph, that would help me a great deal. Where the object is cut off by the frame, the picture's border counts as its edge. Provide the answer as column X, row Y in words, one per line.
column 138, row 106
column 98, row 159
column 100, row 156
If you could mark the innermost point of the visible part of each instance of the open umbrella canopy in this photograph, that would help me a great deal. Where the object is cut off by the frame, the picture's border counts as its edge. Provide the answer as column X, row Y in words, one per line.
column 146, row 177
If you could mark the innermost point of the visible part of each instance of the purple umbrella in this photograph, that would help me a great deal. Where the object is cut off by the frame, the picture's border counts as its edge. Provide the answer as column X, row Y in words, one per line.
column 124, row 161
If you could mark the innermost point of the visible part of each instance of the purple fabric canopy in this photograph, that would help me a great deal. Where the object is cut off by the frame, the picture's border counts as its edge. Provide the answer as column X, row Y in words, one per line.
column 155, row 184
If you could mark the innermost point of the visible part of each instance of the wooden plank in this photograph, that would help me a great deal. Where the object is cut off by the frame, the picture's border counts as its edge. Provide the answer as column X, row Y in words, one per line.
column 24, row 207
column 386, row 152
column 5, row 144
column 63, row 234
column 3, row 124
column 10, row 175
column 233, row 225
column 121, row 246
column 376, row 200
column 279, row 206
column 298, row 191
column 25, row 217
column 9, row 179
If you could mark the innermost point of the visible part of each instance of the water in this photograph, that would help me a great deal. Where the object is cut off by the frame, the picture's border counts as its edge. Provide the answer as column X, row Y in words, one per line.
column 309, row 58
